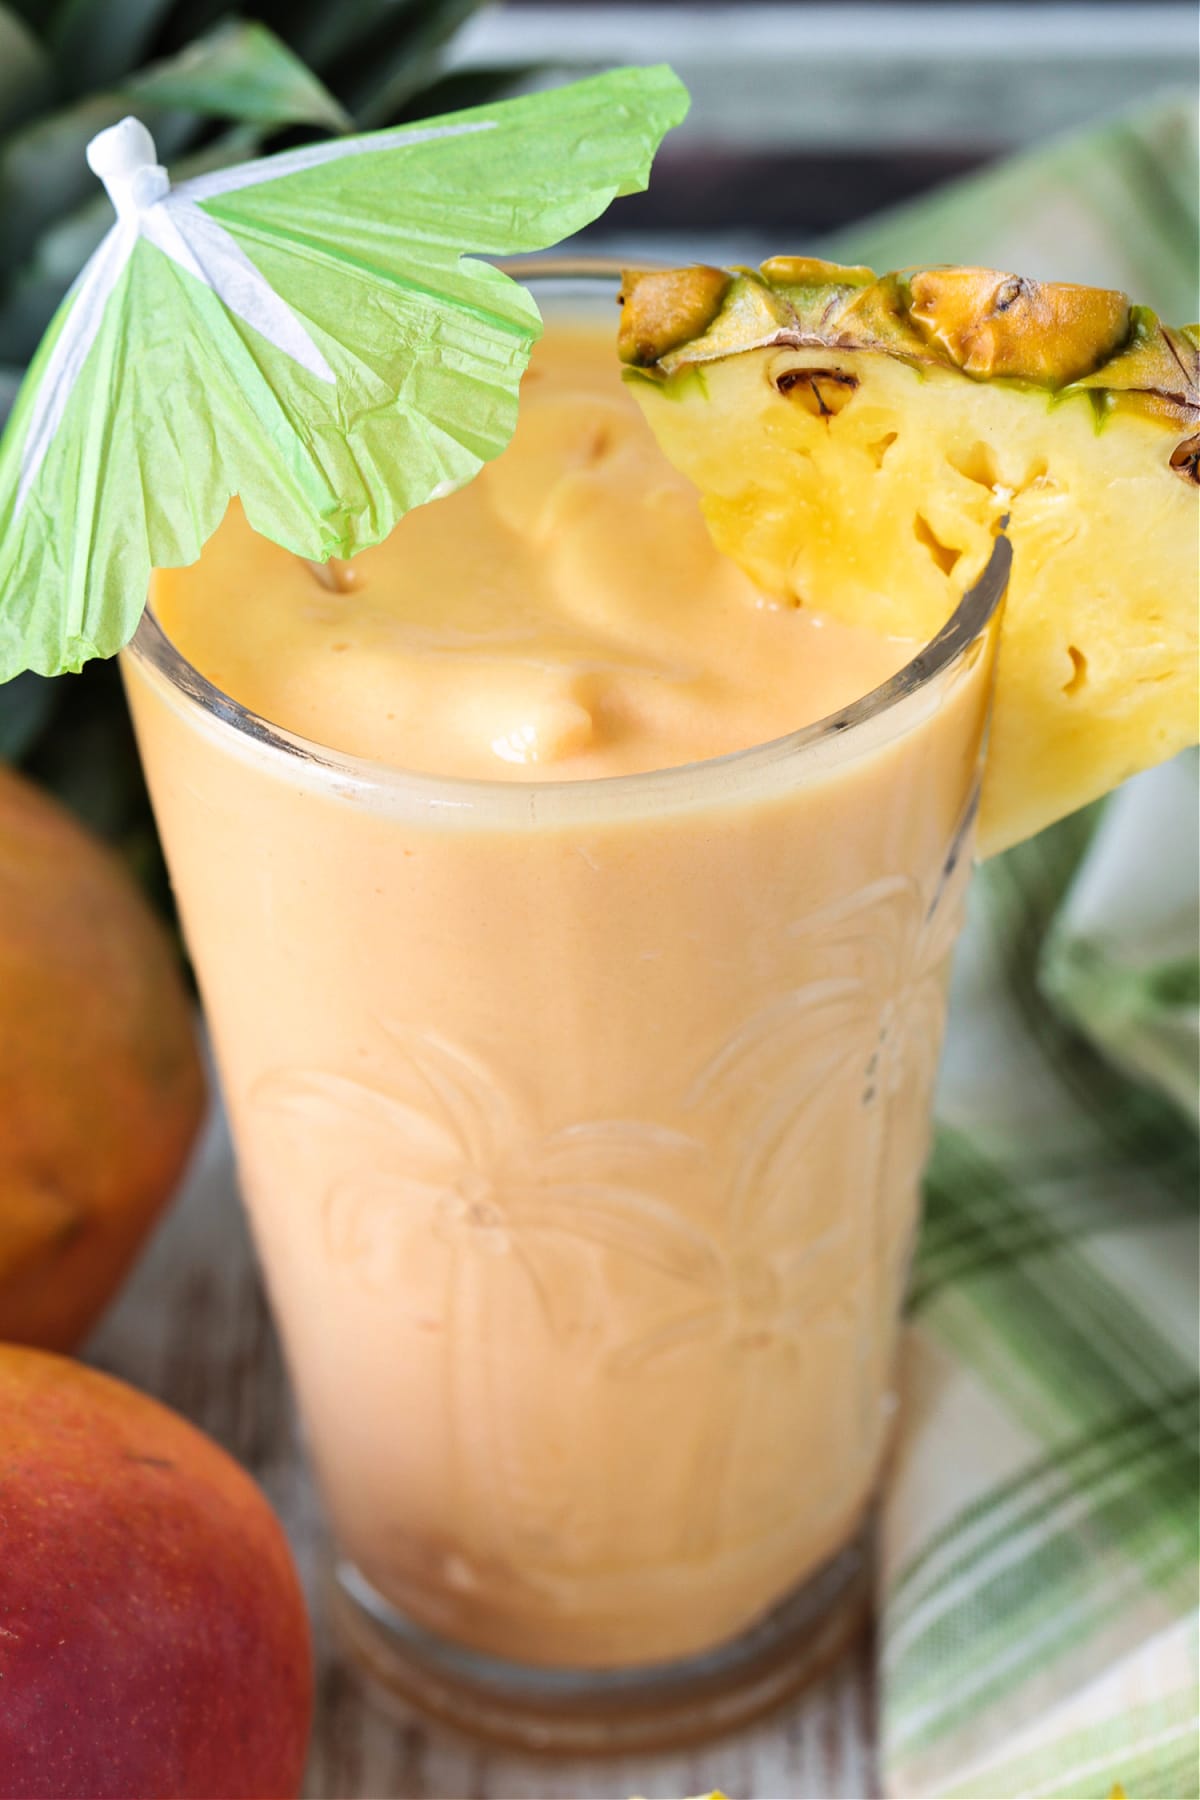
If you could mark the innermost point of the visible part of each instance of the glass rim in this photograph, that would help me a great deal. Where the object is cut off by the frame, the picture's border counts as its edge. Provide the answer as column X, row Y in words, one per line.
column 829, row 740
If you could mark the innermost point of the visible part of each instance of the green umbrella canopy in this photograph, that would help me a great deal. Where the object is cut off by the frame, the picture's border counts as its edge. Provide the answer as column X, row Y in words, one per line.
column 305, row 331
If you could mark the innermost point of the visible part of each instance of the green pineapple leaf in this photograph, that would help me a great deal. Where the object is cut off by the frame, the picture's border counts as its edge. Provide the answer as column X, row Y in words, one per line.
column 31, row 13
column 96, row 43
column 25, row 76
column 26, row 704
column 243, row 71
column 334, row 37
column 393, row 62
column 84, row 753
column 321, row 32
column 460, row 88
column 240, row 71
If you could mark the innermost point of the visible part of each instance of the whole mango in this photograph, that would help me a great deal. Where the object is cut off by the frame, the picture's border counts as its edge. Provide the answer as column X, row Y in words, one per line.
column 101, row 1085
column 153, row 1636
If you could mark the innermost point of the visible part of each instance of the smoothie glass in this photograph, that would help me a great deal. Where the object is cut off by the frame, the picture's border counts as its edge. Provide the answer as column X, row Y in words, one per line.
column 581, row 1127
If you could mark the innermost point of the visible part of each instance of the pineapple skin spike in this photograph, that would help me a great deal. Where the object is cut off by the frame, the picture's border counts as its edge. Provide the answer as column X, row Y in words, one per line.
column 984, row 323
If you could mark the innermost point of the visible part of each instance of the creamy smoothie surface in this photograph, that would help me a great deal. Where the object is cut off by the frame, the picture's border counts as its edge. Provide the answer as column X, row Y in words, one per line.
column 564, row 615
column 581, row 1128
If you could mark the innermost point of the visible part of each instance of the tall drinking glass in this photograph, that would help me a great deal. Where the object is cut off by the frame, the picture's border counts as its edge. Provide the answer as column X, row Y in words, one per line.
column 581, row 1127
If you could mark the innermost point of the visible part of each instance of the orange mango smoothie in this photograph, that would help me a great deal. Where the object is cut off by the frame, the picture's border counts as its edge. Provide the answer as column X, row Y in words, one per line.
column 578, row 1036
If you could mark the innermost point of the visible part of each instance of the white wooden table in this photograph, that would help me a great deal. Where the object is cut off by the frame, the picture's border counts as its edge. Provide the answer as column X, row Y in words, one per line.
column 192, row 1328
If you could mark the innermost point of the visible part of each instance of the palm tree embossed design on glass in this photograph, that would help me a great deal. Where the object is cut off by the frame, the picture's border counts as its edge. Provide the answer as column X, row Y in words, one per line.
column 514, row 1247
column 809, row 1204
column 555, row 1251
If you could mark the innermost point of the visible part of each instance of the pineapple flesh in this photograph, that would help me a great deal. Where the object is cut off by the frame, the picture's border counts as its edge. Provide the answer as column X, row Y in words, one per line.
column 859, row 441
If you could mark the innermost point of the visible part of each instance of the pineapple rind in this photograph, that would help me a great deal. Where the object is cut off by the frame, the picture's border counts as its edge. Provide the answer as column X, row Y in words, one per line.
column 662, row 308
column 991, row 324
column 1144, row 357
column 884, row 511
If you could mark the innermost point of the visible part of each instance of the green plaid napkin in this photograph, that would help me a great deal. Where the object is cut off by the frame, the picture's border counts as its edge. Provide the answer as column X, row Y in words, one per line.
column 1038, row 1607
column 1039, row 1572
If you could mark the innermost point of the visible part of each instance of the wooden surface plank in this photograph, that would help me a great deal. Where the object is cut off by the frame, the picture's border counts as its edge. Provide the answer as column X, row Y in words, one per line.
column 192, row 1327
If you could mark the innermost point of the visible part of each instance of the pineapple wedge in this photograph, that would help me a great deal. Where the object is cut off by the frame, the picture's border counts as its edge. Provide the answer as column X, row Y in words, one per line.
column 858, row 441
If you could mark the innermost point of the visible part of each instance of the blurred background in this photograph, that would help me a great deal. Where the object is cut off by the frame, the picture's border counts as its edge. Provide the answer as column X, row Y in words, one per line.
column 1060, row 139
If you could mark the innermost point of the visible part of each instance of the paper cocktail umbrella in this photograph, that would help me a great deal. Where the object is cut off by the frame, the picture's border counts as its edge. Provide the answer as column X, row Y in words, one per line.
column 304, row 331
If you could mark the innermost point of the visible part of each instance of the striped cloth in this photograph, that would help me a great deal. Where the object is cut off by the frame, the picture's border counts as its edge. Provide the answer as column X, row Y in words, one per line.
column 1039, row 1558
column 1039, row 1629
